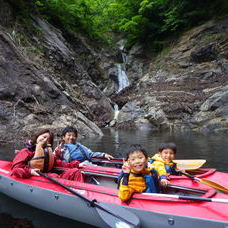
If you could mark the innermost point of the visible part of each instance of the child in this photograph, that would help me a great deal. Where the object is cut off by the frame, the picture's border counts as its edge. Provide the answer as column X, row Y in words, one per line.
column 163, row 163
column 22, row 166
column 72, row 150
column 135, row 175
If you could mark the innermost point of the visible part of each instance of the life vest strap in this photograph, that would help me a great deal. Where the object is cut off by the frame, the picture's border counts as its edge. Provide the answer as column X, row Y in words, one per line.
column 38, row 157
column 46, row 160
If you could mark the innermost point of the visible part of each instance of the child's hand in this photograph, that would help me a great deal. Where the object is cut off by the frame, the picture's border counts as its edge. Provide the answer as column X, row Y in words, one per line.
column 164, row 182
column 125, row 167
column 81, row 165
column 182, row 170
column 34, row 173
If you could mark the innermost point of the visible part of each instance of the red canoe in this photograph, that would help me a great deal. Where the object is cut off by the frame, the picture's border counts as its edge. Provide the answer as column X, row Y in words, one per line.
column 153, row 210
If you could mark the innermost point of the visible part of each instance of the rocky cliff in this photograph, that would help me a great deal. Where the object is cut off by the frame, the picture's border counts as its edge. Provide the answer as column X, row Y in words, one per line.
column 50, row 78
column 47, row 81
column 186, row 86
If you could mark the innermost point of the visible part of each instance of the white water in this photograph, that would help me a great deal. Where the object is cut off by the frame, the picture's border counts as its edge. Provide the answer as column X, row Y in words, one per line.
column 123, row 81
column 122, row 77
column 116, row 111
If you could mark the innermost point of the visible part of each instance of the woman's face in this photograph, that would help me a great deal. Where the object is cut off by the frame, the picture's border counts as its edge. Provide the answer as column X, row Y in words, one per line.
column 44, row 138
column 69, row 138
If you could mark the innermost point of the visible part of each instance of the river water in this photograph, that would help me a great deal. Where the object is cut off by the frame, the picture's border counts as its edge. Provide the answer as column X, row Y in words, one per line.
column 190, row 145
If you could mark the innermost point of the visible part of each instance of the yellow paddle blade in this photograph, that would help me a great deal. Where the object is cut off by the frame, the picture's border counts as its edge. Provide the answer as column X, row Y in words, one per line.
column 188, row 164
column 214, row 185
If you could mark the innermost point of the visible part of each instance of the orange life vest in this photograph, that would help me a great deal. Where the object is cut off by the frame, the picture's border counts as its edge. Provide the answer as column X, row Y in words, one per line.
column 43, row 159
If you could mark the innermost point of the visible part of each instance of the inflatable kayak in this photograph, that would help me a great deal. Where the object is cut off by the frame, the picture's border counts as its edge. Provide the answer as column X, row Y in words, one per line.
column 185, row 203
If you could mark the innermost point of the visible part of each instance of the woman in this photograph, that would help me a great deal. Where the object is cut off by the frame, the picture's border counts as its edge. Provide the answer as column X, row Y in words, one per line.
column 23, row 167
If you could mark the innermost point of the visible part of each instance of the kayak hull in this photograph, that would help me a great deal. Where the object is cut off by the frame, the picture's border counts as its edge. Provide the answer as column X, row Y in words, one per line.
column 42, row 194
column 56, row 202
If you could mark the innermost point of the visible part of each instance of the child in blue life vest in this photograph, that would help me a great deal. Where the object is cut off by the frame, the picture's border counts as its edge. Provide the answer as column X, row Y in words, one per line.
column 70, row 149
column 163, row 163
column 135, row 177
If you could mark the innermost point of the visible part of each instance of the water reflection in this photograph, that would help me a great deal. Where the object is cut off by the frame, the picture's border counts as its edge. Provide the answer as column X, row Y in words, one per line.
column 190, row 145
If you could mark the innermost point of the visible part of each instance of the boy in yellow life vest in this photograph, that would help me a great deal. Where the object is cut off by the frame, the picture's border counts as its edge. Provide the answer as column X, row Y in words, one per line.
column 163, row 163
column 135, row 177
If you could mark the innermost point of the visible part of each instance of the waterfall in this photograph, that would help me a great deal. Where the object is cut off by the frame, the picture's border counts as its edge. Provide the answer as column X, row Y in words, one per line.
column 116, row 111
column 122, row 77
column 123, row 82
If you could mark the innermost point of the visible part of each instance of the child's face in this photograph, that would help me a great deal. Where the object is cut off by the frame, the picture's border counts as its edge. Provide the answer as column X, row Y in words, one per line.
column 137, row 161
column 69, row 138
column 167, row 155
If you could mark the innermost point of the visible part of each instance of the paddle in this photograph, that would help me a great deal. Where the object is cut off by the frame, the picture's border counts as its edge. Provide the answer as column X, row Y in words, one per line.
column 188, row 164
column 194, row 198
column 169, row 185
column 207, row 182
column 111, row 215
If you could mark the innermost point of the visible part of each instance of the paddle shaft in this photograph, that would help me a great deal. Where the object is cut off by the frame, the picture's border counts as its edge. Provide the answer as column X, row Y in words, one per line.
column 115, row 176
column 194, row 198
column 169, row 185
column 207, row 182
column 91, row 202
column 65, row 187
column 183, row 164
column 107, row 162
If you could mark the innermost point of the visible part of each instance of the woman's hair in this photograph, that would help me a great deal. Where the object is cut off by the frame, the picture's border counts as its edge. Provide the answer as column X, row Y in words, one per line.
column 133, row 148
column 40, row 132
column 69, row 129
column 170, row 145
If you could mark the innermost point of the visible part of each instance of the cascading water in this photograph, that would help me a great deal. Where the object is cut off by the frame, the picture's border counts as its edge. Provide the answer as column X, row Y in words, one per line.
column 123, row 82
column 116, row 113
column 122, row 77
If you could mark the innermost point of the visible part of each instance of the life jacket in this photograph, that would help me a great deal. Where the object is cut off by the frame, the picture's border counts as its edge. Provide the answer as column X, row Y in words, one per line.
column 152, row 184
column 43, row 159
column 77, row 152
column 170, row 167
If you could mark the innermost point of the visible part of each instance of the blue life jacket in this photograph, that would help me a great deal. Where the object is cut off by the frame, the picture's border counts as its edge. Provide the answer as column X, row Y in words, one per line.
column 78, row 152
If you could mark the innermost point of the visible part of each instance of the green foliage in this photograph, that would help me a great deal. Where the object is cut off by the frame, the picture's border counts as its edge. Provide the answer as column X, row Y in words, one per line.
column 143, row 21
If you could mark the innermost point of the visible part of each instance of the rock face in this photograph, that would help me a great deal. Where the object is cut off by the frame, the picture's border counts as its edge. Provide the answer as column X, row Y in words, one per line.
column 44, row 83
column 184, row 88
column 50, row 78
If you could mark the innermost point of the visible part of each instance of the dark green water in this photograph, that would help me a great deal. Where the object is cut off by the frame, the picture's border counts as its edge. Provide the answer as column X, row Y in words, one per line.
column 190, row 145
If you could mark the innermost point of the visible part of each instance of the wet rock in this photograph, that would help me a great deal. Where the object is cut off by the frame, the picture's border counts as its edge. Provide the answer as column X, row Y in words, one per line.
column 185, row 88
column 33, row 90
column 204, row 54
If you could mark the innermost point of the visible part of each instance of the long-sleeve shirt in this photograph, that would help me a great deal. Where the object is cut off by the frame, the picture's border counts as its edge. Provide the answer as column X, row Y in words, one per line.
column 132, row 182
column 20, row 167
